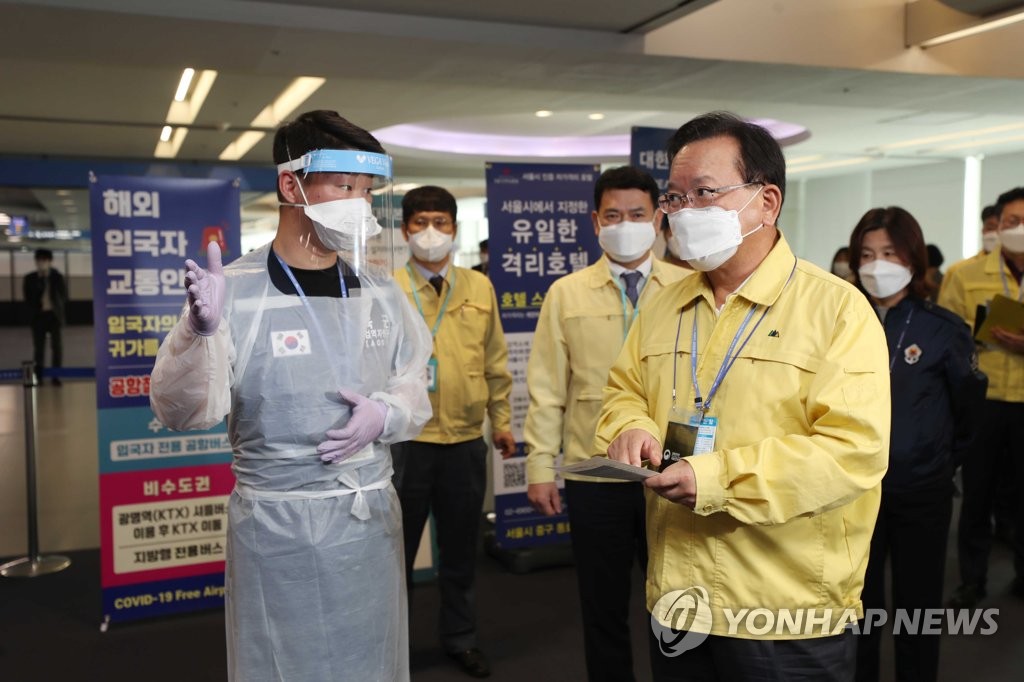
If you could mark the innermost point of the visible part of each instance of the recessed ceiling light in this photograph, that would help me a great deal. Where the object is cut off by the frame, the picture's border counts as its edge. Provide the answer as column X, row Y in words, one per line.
column 596, row 117
column 543, row 113
column 63, row 192
column 165, row 134
column 183, row 84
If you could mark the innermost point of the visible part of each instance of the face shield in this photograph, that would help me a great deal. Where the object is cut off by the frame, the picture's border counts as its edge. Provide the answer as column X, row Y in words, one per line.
column 358, row 219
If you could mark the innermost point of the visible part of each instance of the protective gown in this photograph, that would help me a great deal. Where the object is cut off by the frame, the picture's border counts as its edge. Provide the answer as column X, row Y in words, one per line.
column 315, row 587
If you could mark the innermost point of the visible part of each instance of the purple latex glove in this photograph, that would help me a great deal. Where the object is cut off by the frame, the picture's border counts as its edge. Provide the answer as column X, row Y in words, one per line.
column 205, row 292
column 364, row 426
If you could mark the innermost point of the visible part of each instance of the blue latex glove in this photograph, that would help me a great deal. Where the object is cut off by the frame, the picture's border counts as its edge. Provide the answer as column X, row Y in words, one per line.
column 364, row 426
column 205, row 292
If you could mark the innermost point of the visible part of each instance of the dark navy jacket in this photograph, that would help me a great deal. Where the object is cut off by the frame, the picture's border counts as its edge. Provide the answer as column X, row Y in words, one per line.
column 937, row 393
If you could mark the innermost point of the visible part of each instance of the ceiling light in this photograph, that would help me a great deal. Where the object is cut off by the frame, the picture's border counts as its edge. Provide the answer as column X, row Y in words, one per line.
column 953, row 136
column 63, row 192
column 297, row 92
column 595, row 117
column 543, row 113
column 186, row 80
column 183, row 113
column 803, row 159
column 830, row 164
column 982, row 143
column 974, row 30
column 165, row 134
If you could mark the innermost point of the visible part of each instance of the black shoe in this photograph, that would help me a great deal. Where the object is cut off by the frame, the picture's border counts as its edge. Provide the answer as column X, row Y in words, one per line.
column 967, row 596
column 473, row 662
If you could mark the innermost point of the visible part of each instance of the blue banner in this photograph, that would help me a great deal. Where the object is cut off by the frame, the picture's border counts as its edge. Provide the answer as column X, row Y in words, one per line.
column 163, row 494
column 648, row 150
column 539, row 229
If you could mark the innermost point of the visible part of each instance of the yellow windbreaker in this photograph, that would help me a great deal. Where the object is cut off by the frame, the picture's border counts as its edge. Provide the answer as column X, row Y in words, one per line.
column 787, row 500
column 974, row 284
column 472, row 358
column 579, row 334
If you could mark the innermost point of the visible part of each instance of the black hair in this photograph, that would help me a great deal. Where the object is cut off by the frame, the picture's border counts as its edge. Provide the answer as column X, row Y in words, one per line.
column 1015, row 194
column 761, row 158
column 320, row 129
column 905, row 233
column 428, row 198
column 990, row 212
column 483, row 244
column 625, row 177
column 841, row 251
column 44, row 254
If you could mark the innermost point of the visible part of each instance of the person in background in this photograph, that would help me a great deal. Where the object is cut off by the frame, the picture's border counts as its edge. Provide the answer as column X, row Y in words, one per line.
column 320, row 366
column 933, row 276
column 670, row 256
column 968, row 291
column 46, row 295
column 481, row 267
column 989, row 238
column 565, row 375
column 841, row 264
column 936, row 394
column 444, row 469
column 759, row 390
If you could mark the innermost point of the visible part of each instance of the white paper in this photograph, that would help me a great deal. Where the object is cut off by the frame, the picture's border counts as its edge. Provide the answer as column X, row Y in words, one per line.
column 602, row 467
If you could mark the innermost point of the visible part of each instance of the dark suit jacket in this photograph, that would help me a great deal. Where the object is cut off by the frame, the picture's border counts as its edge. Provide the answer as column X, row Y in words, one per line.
column 34, row 286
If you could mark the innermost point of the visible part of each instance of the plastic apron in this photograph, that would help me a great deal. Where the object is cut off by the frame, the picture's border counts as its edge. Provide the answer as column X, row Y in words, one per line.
column 315, row 581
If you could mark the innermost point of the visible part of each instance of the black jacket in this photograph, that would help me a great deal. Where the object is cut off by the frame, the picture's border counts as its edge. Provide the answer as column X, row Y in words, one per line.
column 34, row 286
column 937, row 394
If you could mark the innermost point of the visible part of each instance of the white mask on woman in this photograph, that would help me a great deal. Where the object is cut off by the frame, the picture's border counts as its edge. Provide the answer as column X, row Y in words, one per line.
column 883, row 278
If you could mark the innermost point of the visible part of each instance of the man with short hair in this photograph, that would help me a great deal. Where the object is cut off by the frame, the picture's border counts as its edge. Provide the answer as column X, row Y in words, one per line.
column 46, row 295
column 320, row 361
column 444, row 469
column 968, row 291
column 760, row 391
column 583, row 322
column 484, row 258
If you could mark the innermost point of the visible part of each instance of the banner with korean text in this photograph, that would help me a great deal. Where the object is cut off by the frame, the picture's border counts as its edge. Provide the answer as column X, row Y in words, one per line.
column 539, row 229
column 648, row 149
column 163, row 494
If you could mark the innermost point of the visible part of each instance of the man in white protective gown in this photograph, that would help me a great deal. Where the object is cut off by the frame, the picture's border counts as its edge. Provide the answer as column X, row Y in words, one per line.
column 319, row 362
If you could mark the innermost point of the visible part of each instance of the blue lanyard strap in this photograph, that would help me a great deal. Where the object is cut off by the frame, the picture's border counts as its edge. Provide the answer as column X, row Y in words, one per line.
column 1006, row 286
column 419, row 305
column 703, row 405
column 899, row 343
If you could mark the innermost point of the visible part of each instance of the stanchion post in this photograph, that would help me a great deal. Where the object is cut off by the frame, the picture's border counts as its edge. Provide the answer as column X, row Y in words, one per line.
column 34, row 564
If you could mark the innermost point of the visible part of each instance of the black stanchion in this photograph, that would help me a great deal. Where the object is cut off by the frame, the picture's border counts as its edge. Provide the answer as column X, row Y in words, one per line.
column 34, row 564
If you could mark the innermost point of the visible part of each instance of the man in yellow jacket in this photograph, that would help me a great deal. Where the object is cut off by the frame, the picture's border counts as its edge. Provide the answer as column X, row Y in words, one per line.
column 968, row 291
column 760, row 390
column 584, row 319
column 444, row 469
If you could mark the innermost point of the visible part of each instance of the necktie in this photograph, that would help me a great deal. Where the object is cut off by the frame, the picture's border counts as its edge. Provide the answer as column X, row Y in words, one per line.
column 632, row 279
column 437, row 281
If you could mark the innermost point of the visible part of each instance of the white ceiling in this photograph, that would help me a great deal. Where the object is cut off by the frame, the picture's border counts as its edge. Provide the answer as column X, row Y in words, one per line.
column 94, row 78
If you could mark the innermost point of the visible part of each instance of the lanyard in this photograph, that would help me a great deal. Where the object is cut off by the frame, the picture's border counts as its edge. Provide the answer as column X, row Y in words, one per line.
column 305, row 301
column 627, row 319
column 702, row 404
column 1006, row 286
column 899, row 344
column 419, row 305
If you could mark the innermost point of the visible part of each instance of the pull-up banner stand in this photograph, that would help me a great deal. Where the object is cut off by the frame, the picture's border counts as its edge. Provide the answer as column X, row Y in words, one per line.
column 163, row 494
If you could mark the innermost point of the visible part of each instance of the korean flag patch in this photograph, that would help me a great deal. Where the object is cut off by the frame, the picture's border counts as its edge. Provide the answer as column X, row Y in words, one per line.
column 285, row 343
column 912, row 354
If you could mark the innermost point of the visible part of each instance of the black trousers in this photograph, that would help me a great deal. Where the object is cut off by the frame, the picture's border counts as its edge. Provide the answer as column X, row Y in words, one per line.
column 608, row 536
column 450, row 481
column 42, row 324
column 1001, row 427
column 911, row 531
column 731, row 659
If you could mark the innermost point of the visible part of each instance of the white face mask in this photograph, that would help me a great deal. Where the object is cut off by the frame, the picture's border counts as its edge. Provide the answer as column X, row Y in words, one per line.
column 1013, row 239
column 708, row 237
column 626, row 241
column 990, row 241
column 341, row 223
column 430, row 245
column 842, row 270
column 883, row 278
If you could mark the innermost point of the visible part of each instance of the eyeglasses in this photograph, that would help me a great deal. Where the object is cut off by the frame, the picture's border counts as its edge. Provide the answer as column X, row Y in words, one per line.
column 1010, row 222
column 439, row 222
column 699, row 197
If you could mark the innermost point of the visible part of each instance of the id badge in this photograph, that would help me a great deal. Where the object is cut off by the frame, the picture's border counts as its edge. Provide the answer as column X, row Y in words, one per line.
column 432, row 375
column 688, row 435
